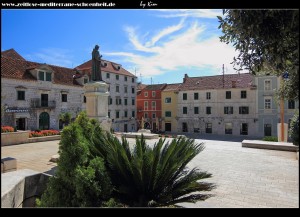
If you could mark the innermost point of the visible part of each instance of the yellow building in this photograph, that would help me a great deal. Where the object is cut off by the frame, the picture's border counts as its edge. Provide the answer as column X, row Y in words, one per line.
column 169, row 108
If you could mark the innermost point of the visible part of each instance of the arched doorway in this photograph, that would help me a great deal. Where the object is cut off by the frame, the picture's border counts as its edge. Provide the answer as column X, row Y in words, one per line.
column 44, row 121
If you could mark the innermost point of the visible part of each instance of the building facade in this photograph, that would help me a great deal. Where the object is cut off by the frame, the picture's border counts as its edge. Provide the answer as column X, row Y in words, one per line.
column 223, row 105
column 149, row 106
column 268, row 107
column 169, row 97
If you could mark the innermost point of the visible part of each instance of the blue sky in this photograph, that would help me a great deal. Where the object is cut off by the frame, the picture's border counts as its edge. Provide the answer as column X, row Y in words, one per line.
column 158, row 44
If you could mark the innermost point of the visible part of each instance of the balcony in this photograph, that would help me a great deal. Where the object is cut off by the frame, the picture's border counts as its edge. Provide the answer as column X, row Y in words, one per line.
column 38, row 103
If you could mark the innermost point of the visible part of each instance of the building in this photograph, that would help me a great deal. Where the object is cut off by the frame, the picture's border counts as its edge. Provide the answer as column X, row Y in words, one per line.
column 122, row 90
column 169, row 103
column 222, row 104
column 35, row 94
column 268, row 108
column 149, row 106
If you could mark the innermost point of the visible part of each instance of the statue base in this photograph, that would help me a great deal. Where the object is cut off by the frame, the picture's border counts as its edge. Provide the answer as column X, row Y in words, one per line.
column 96, row 93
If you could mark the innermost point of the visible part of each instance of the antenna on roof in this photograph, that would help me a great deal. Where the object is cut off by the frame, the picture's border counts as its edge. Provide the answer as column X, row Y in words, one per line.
column 223, row 75
column 151, row 80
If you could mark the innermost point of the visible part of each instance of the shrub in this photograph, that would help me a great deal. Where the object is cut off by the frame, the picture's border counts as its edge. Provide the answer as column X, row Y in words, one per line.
column 7, row 129
column 270, row 138
column 156, row 176
column 294, row 129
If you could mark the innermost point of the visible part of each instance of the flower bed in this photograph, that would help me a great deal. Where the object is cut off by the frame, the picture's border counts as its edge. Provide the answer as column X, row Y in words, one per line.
column 43, row 133
column 7, row 129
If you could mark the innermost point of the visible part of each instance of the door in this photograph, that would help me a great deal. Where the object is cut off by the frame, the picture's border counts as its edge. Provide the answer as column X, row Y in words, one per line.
column 244, row 129
column 268, row 129
column 125, row 128
column 44, row 121
column 184, row 127
column 44, row 100
column 154, row 127
column 21, row 123
column 168, row 127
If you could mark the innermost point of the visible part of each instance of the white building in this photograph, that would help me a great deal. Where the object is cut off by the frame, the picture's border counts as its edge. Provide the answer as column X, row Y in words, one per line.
column 218, row 105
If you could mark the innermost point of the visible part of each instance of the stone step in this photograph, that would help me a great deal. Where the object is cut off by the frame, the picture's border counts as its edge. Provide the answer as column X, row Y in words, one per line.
column 280, row 146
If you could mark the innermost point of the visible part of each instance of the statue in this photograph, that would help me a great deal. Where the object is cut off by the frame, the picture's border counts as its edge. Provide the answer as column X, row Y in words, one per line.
column 96, row 65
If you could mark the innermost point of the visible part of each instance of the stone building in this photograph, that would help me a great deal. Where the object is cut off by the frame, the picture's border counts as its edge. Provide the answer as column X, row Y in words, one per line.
column 222, row 104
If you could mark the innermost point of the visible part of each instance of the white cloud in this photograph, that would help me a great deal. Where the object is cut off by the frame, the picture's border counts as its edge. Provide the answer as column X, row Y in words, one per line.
column 184, row 50
column 197, row 13
column 53, row 56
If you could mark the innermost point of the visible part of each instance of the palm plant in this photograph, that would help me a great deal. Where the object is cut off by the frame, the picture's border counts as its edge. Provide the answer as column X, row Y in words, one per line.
column 65, row 118
column 155, row 176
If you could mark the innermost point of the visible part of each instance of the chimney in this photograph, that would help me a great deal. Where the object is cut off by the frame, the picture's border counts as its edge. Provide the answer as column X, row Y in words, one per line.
column 233, row 84
column 185, row 77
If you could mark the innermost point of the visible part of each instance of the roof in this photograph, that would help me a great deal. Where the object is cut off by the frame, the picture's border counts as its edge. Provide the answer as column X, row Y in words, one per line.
column 141, row 86
column 216, row 82
column 155, row 87
column 106, row 66
column 12, row 54
column 172, row 87
column 19, row 69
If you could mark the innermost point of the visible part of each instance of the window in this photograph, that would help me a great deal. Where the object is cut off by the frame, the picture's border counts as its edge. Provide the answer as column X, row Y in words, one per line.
column 132, row 90
column 153, row 105
column 146, row 105
column 267, row 103
column 107, row 75
column 125, row 101
column 184, row 110
column 153, row 115
column 208, row 110
column 117, row 77
column 133, row 101
column 153, row 93
column 125, row 78
column 184, row 96
column 267, row 84
column 208, row 95
column 117, row 114
column 196, row 130
column 243, row 94
column 84, row 99
column 110, row 101
column 228, row 94
column 196, row 110
column 64, row 97
column 196, row 96
column 132, row 80
column 117, row 89
column 208, row 128
column 146, row 94
column 118, row 101
column 168, row 100
column 125, row 89
column 41, row 75
column 21, row 95
column 133, row 114
column 145, row 115
column 268, row 130
column 85, row 80
column 243, row 110
column 48, row 76
column 168, row 114
column 228, row 128
column 244, row 129
column 291, row 104
column 125, row 114
column 228, row 110
column 108, row 114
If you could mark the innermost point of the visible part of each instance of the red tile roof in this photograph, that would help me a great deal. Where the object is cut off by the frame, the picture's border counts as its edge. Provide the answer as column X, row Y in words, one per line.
column 106, row 66
column 12, row 54
column 155, row 87
column 141, row 86
column 172, row 87
column 19, row 69
column 216, row 82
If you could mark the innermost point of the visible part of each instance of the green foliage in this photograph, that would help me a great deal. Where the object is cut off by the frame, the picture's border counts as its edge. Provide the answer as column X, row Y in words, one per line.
column 65, row 117
column 268, row 40
column 294, row 129
column 270, row 138
column 81, row 179
column 155, row 176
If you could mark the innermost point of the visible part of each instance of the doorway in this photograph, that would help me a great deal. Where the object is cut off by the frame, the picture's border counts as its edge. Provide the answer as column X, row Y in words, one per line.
column 44, row 121
column 20, row 124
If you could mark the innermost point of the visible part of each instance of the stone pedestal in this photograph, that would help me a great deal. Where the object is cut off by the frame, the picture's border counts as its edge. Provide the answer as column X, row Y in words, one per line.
column 96, row 93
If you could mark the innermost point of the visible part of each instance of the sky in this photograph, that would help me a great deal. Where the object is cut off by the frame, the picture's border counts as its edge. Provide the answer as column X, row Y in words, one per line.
column 158, row 46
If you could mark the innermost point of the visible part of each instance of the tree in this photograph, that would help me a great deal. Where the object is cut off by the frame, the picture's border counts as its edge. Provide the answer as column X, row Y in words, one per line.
column 65, row 118
column 294, row 130
column 267, row 40
column 157, row 176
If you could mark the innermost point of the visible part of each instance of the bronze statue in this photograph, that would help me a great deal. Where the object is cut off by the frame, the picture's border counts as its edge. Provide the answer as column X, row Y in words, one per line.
column 96, row 65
